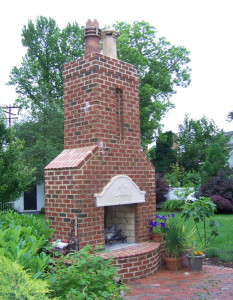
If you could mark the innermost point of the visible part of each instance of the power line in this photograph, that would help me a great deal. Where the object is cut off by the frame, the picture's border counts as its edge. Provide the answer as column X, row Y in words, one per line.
column 8, row 110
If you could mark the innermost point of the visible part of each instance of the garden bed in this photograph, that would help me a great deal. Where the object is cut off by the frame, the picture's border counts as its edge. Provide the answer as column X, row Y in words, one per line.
column 215, row 261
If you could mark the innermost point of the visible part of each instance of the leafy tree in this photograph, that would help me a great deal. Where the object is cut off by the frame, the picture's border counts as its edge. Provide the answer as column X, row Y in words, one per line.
column 162, row 67
column 176, row 176
column 39, row 84
column 163, row 155
column 39, row 79
column 216, row 160
column 15, row 175
column 41, row 142
column 230, row 116
column 194, row 140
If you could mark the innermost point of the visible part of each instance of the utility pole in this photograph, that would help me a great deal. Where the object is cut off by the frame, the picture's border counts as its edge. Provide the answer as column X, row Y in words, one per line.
column 8, row 110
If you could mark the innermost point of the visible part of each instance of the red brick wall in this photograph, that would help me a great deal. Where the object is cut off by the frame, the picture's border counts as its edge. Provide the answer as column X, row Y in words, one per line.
column 137, row 261
column 111, row 88
column 72, row 191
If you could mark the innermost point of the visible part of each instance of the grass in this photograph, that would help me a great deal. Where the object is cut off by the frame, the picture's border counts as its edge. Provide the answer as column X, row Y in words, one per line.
column 40, row 217
column 222, row 245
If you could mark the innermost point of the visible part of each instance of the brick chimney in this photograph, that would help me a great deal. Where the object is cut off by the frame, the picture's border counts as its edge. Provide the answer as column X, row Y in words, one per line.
column 102, row 170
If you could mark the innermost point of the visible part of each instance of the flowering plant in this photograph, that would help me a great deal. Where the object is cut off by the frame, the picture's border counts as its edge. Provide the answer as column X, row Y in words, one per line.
column 175, row 238
column 194, row 250
column 197, row 253
column 158, row 226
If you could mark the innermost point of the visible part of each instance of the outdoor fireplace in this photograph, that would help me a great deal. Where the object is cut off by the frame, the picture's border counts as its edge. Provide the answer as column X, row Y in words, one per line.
column 102, row 177
column 123, row 216
column 118, row 199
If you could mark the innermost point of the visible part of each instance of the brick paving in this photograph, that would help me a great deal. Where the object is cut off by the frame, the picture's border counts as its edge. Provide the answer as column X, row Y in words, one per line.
column 211, row 283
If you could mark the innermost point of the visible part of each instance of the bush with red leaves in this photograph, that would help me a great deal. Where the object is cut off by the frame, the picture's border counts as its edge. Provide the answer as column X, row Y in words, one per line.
column 162, row 188
column 221, row 185
column 223, row 205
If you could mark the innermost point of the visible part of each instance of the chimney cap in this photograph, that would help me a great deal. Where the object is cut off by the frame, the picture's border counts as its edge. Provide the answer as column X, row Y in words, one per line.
column 93, row 23
column 109, row 31
column 92, row 29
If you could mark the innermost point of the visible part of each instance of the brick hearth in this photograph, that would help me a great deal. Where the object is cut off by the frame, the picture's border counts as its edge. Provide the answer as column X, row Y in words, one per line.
column 136, row 261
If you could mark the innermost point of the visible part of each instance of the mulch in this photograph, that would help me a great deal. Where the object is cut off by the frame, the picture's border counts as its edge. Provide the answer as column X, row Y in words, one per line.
column 214, row 261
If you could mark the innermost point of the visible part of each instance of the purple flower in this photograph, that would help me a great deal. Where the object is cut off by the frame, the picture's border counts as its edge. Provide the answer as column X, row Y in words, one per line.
column 160, row 223
column 159, row 217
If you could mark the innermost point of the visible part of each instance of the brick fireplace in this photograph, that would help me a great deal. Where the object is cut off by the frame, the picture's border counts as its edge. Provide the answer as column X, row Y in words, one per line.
column 101, row 176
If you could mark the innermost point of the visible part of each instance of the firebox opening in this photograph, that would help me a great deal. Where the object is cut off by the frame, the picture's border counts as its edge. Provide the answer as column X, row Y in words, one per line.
column 123, row 216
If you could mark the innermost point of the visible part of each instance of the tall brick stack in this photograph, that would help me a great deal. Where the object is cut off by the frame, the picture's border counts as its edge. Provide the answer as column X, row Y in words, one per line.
column 101, row 140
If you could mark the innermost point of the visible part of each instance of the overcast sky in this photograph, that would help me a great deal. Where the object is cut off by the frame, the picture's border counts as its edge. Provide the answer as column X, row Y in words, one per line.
column 204, row 27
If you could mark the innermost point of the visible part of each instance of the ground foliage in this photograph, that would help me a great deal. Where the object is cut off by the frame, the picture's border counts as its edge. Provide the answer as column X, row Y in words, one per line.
column 22, row 239
column 17, row 284
column 84, row 275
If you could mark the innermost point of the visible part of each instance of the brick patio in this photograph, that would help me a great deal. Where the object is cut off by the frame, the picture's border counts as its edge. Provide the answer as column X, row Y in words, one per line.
column 211, row 283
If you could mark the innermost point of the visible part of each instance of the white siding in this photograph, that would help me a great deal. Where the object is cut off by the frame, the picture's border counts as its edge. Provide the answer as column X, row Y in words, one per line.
column 19, row 203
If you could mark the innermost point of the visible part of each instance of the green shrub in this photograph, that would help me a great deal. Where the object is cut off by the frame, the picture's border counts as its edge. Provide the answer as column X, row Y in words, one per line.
column 39, row 228
column 84, row 275
column 212, row 252
column 16, row 284
column 225, row 256
column 173, row 205
column 22, row 238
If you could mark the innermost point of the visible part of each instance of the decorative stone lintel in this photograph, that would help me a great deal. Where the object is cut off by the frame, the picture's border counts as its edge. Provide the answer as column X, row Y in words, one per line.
column 120, row 190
